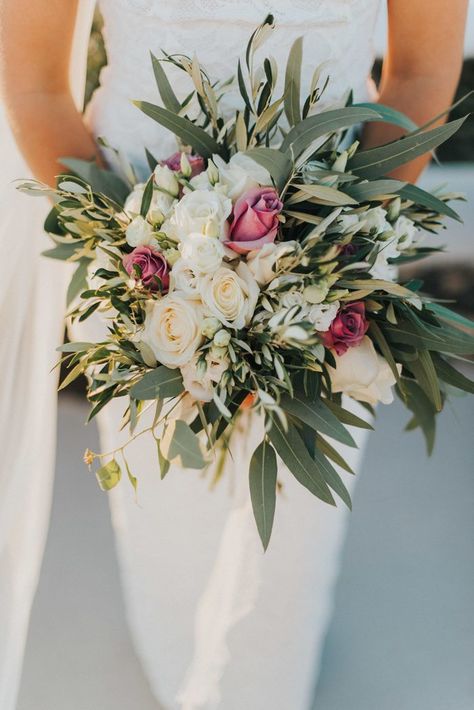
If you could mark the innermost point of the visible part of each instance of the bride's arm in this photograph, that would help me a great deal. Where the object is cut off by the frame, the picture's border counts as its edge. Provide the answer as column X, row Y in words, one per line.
column 422, row 66
column 35, row 41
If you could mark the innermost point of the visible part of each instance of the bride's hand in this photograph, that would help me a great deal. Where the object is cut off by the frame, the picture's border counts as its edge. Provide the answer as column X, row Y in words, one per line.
column 36, row 38
column 421, row 68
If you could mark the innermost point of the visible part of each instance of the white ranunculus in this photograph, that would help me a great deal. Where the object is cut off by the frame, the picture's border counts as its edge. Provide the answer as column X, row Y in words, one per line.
column 322, row 315
column 160, row 206
column 363, row 374
column 184, row 278
column 406, row 232
column 230, row 296
column 139, row 232
column 204, row 254
column 173, row 329
column 166, row 180
column 292, row 298
column 204, row 211
column 240, row 174
column 261, row 262
column 348, row 222
column 375, row 220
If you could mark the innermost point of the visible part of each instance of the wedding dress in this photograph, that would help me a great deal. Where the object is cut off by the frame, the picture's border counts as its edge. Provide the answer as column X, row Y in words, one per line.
column 215, row 622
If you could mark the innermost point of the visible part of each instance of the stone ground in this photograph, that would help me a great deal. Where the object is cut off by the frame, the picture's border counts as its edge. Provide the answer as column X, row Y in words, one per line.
column 402, row 636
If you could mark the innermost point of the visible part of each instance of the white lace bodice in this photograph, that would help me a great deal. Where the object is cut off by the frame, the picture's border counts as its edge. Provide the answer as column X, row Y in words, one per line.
column 338, row 32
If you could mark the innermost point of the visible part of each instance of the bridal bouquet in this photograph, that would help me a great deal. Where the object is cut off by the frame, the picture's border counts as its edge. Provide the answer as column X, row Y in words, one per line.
column 256, row 268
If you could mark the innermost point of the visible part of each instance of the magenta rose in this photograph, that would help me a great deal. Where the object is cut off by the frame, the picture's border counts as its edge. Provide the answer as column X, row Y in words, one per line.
column 196, row 162
column 255, row 219
column 151, row 267
column 347, row 329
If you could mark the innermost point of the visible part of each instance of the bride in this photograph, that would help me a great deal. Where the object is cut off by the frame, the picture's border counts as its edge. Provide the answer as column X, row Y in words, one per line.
column 215, row 623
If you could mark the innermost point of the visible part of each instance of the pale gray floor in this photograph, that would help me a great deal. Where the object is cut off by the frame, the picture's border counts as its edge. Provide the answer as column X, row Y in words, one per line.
column 403, row 633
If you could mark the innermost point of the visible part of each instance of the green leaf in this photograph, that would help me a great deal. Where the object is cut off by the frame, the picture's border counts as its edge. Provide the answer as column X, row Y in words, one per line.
column 63, row 252
column 443, row 339
column 190, row 134
column 133, row 479
column 423, row 412
column 390, row 115
column 160, row 383
column 162, row 461
column 425, row 374
column 366, row 191
column 382, row 160
column 326, row 195
column 450, row 316
column 151, row 160
column 78, row 282
column 316, row 415
column 332, row 454
column 426, row 199
column 164, row 87
column 147, row 197
column 51, row 224
column 332, row 478
column 262, row 481
column 292, row 451
column 346, row 417
column 109, row 475
column 379, row 338
column 104, row 182
column 293, row 83
column 75, row 347
column 278, row 164
column 450, row 375
column 302, row 135
column 180, row 445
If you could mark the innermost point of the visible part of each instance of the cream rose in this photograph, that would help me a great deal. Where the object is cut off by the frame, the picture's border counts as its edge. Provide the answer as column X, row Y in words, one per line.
column 204, row 211
column 204, row 254
column 173, row 330
column 363, row 374
column 240, row 174
column 230, row 296
column 261, row 262
column 160, row 206
column 139, row 233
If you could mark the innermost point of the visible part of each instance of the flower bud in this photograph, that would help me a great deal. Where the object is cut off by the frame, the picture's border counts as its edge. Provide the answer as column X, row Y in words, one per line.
column 222, row 338
column 185, row 166
column 139, row 232
column 210, row 326
column 316, row 293
column 166, row 180
column 171, row 255
column 340, row 163
column 212, row 173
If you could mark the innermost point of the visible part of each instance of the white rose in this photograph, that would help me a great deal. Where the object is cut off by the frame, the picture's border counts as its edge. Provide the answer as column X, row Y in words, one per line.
column 204, row 211
column 261, row 262
column 375, row 220
column 204, row 254
column 240, row 174
column 230, row 296
column 166, row 180
column 363, row 374
column 133, row 202
column 406, row 232
column 322, row 315
column 184, row 278
column 172, row 329
column 139, row 232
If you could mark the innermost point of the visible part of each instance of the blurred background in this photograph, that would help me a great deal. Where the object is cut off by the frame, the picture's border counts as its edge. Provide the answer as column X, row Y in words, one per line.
column 402, row 637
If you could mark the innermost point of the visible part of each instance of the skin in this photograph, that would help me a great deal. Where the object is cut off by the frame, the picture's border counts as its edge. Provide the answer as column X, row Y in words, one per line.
column 420, row 74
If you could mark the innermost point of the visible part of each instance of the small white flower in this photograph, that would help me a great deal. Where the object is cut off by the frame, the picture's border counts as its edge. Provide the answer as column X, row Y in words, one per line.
column 160, row 206
column 381, row 269
column 222, row 338
column 139, row 232
column 261, row 262
column 166, row 180
column 199, row 384
column 210, row 326
column 375, row 221
column 204, row 211
column 240, row 174
column 204, row 254
column 172, row 329
column 316, row 293
column 322, row 315
column 406, row 232
column 184, row 278
column 230, row 296
column 363, row 374
column 348, row 222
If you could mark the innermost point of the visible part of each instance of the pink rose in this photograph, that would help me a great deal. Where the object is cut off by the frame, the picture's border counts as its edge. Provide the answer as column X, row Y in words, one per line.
column 196, row 162
column 255, row 220
column 347, row 329
column 148, row 265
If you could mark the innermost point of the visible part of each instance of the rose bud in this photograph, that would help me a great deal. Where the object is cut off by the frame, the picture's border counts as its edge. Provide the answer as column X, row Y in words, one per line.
column 255, row 219
column 347, row 329
column 175, row 162
column 149, row 266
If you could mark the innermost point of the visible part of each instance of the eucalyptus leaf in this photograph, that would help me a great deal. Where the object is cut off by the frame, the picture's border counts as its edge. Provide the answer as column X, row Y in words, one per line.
column 78, row 282
column 332, row 478
column 109, row 475
column 390, row 115
column 426, row 199
column 164, row 87
column 316, row 415
column 180, row 445
column 159, row 383
column 346, row 417
column 102, row 181
column 450, row 375
column 365, row 191
column 278, row 164
column 262, row 481
column 293, row 83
